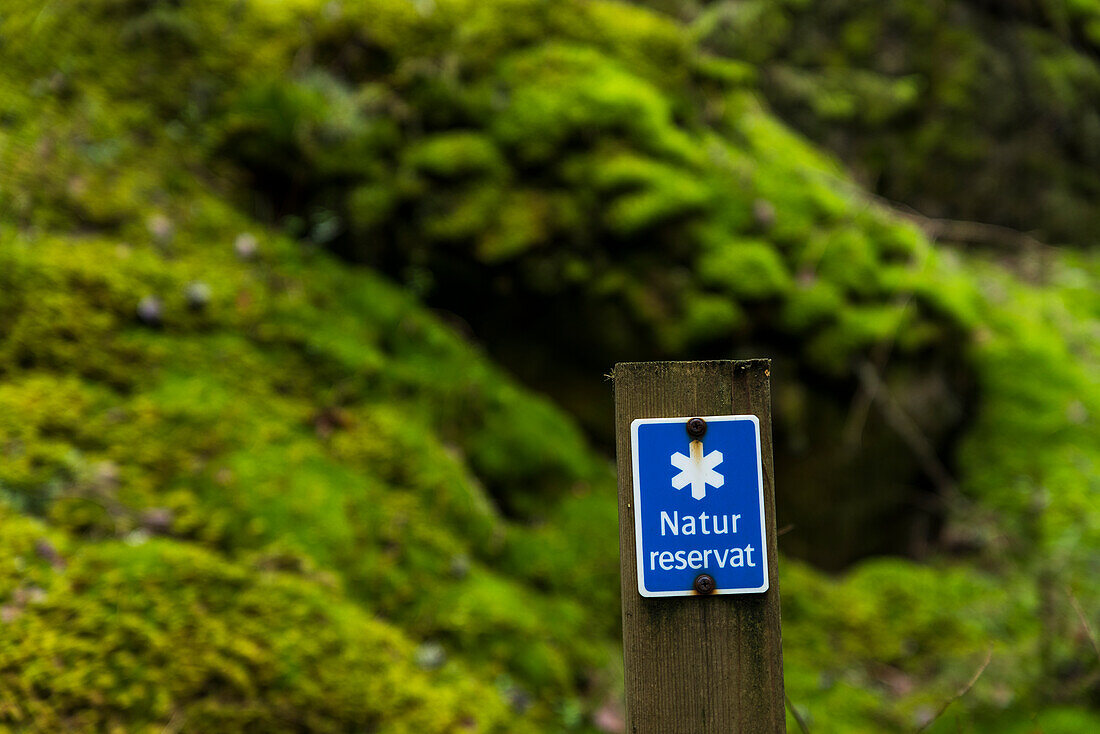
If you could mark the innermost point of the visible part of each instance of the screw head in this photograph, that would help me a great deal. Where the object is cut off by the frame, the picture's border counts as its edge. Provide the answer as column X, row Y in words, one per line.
column 704, row 583
column 696, row 427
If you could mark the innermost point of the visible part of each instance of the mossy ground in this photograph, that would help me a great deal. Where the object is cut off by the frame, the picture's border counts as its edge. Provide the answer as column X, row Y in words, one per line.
column 251, row 484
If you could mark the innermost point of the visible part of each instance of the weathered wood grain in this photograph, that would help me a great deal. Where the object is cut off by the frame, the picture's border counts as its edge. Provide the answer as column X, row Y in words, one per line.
column 698, row 665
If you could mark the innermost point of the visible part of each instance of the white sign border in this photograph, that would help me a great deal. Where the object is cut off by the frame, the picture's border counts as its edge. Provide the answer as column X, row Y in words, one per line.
column 638, row 503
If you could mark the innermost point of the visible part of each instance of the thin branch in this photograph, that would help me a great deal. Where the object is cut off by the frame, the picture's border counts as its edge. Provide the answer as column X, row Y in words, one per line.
column 908, row 430
column 175, row 723
column 974, row 233
column 961, row 692
column 865, row 396
column 962, row 231
column 1084, row 620
column 797, row 716
column 956, row 231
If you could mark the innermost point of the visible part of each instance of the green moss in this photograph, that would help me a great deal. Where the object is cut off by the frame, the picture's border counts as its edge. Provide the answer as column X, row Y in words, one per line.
column 940, row 137
column 124, row 637
column 747, row 270
column 648, row 195
column 454, row 155
column 296, row 419
column 887, row 621
column 341, row 480
column 557, row 93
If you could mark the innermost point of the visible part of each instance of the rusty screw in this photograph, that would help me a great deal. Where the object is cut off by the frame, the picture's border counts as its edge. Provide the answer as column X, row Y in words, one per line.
column 696, row 427
column 704, row 583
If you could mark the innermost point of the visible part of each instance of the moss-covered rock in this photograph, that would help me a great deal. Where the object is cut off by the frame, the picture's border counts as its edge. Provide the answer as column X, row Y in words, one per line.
column 286, row 432
column 937, row 105
column 141, row 635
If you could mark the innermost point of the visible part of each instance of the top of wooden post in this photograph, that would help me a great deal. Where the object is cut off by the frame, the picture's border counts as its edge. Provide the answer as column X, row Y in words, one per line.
column 698, row 665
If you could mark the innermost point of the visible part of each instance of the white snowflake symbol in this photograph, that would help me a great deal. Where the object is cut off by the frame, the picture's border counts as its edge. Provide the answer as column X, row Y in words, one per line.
column 697, row 470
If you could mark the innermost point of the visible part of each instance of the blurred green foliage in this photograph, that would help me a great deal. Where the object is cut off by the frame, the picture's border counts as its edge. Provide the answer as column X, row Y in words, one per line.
column 249, row 484
column 960, row 108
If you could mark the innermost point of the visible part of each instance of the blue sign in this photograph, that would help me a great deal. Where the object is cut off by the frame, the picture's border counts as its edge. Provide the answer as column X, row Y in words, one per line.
column 699, row 505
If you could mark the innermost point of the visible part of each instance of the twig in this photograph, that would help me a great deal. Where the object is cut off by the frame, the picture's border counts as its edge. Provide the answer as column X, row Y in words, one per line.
column 868, row 392
column 962, row 691
column 175, row 723
column 956, row 231
column 974, row 233
column 908, row 430
column 797, row 716
column 1084, row 620
column 962, row 231
column 857, row 415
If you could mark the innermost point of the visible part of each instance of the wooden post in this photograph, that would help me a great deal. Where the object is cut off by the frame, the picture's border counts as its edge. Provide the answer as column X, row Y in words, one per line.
column 696, row 665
